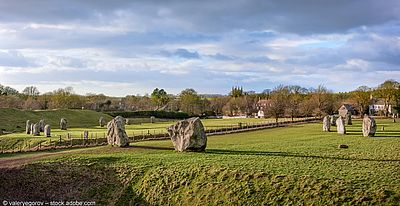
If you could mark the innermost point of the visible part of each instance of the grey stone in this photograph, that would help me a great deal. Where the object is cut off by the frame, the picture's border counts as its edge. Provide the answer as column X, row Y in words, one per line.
column 326, row 124
column 28, row 127
column 116, row 134
column 341, row 129
column 31, row 128
column 188, row 135
column 36, row 129
column 348, row 119
column 369, row 126
column 63, row 124
column 47, row 130
column 126, row 121
column 42, row 123
column 102, row 122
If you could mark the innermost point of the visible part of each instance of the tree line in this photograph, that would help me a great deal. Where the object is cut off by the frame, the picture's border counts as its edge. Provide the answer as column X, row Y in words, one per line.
column 281, row 101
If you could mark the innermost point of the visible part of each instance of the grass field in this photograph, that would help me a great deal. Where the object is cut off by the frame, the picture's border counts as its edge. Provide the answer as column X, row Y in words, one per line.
column 298, row 165
column 83, row 120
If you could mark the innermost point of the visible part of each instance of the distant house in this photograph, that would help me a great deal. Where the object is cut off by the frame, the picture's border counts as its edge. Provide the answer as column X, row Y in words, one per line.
column 262, row 105
column 346, row 109
column 377, row 107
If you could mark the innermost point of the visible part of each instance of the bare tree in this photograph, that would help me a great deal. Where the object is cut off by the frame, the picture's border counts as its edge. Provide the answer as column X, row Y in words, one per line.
column 277, row 102
column 362, row 98
column 388, row 90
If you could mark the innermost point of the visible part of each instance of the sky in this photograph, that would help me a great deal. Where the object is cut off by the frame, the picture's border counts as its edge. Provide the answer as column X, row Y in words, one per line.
column 121, row 48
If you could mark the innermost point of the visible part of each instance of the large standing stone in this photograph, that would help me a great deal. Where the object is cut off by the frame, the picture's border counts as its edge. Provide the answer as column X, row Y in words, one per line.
column 369, row 126
column 116, row 134
column 333, row 120
column 326, row 124
column 341, row 129
column 188, row 135
column 36, row 129
column 47, row 130
column 348, row 119
column 63, row 124
column 102, row 122
column 28, row 127
column 42, row 123
column 31, row 128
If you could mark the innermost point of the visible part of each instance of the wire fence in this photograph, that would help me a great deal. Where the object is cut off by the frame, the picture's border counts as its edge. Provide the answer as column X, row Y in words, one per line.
column 87, row 139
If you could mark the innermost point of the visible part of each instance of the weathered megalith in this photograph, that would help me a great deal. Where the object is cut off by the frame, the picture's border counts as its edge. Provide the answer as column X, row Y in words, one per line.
column 369, row 126
column 42, row 123
column 28, row 127
column 63, row 124
column 126, row 121
column 102, row 122
column 188, row 135
column 348, row 119
column 333, row 120
column 36, row 129
column 47, row 130
column 31, row 128
column 116, row 134
column 326, row 124
column 341, row 129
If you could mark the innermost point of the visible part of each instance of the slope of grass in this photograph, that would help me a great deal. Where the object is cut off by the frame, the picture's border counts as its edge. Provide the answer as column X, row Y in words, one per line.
column 14, row 120
column 294, row 165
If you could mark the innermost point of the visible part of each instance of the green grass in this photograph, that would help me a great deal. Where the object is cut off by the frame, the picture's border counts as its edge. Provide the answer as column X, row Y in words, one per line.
column 83, row 120
column 14, row 120
column 298, row 165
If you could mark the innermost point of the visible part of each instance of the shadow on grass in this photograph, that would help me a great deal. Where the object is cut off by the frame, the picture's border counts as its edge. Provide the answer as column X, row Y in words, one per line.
column 289, row 154
column 386, row 133
column 150, row 147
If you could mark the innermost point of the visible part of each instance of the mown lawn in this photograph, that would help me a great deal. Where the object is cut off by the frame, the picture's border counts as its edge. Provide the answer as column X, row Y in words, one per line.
column 298, row 165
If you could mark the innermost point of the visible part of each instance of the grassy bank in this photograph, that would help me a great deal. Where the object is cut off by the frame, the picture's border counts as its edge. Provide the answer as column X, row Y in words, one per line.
column 14, row 120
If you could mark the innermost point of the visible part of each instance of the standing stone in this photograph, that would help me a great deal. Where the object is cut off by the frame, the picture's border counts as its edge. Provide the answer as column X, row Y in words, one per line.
column 42, row 123
column 326, row 124
column 31, row 128
column 63, row 124
column 47, row 130
column 102, row 121
column 36, row 129
column 28, row 127
column 126, row 121
column 369, row 126
column 188, row 135
column 341, row 129
column 116, row 134
column 333, row 120
column 348, row 119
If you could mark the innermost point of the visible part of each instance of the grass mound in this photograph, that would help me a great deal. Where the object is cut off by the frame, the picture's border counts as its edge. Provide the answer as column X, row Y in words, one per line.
column 14, row 120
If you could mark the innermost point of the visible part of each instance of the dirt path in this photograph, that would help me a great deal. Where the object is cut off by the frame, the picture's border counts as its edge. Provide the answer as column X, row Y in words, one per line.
column 17, row 161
